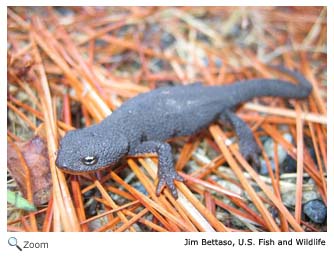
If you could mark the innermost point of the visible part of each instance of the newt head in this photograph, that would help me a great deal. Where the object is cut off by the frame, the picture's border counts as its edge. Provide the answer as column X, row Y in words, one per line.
column 90, row 150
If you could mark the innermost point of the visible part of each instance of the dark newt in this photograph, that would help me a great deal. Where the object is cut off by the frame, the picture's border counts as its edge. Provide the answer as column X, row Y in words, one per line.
column 142, row 124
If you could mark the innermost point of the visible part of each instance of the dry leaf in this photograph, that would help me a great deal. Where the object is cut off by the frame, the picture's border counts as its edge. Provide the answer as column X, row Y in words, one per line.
column 35, row 155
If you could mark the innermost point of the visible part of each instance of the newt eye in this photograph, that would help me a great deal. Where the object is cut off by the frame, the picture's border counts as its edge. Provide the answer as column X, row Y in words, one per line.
column 89, row 160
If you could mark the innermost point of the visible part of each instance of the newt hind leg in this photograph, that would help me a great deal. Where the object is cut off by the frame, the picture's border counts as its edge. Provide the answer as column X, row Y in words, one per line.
column 247, row 144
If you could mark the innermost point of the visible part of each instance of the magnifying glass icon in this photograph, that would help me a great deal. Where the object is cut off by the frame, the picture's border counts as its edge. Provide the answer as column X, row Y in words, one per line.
column 12, row 241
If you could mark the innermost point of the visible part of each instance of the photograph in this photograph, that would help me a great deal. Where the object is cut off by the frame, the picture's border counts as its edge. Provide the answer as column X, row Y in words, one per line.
column 167, row 119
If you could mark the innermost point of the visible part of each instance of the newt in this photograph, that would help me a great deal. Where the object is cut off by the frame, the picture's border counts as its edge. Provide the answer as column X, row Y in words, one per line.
column 142, row 124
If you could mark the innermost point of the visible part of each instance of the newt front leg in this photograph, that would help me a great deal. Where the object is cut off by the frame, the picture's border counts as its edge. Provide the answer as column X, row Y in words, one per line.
column 166, row 170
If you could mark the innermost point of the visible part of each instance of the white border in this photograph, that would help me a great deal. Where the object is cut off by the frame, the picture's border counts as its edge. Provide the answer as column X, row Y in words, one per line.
column 330, row 121
column 171, row 244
